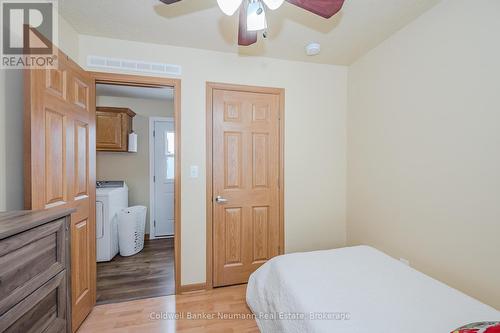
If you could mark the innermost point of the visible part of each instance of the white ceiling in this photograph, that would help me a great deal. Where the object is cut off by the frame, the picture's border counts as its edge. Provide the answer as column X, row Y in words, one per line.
column 163, row 93
column 360, row 26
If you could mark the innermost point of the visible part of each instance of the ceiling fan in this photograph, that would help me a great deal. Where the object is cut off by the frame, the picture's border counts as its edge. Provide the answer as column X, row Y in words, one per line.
column 253, row 13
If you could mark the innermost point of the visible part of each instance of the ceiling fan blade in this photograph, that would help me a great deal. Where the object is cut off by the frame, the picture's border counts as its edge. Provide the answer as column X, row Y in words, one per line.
column 245, row 37
column 324, row 8
column 169, row 2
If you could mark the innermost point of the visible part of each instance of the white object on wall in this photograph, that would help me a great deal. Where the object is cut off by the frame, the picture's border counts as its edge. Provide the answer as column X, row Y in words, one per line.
column 194, row 171
column 132, row 142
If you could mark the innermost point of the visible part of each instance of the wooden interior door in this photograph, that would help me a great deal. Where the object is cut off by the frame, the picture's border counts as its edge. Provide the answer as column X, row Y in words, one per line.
column 246, row 173
column 60, row 164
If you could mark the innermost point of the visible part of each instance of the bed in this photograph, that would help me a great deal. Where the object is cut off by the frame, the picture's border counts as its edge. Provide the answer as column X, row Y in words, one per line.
column 355, row 289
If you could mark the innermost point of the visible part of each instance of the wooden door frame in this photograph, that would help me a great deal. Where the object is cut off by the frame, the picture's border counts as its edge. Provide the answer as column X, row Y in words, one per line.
column 152, row 81
column 210, row 87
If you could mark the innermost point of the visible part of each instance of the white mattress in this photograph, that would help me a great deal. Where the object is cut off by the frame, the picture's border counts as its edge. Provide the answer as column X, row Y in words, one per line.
column 359, row 289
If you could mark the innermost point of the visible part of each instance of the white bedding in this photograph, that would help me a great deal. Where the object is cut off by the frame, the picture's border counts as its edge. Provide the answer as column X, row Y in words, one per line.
column 361, row 290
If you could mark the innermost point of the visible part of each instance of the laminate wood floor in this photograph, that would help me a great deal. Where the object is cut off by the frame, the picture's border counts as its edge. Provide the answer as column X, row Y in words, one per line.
column 207, row 309
column 150, row 273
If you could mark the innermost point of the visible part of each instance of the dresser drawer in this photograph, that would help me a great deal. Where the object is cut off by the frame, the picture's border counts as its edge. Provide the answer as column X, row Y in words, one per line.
column 29, row 259
column 42, row 311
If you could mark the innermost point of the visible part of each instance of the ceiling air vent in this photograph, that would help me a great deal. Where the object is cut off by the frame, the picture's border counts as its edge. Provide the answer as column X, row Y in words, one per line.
column 133, row 65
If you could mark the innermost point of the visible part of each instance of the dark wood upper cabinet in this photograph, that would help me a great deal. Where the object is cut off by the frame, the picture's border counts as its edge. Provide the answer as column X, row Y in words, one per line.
column 113, row 127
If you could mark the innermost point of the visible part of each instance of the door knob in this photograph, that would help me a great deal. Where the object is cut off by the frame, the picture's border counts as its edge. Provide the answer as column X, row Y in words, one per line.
column 220, row 200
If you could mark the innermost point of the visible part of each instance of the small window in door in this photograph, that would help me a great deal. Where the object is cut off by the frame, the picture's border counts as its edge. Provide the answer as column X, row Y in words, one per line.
column 170, row 154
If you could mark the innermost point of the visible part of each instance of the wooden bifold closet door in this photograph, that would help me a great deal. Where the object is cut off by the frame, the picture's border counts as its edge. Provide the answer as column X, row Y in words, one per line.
column 60, row 164
column 246, row 183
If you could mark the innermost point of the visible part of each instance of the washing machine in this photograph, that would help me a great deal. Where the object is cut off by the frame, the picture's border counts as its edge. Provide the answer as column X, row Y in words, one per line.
column 111, row 197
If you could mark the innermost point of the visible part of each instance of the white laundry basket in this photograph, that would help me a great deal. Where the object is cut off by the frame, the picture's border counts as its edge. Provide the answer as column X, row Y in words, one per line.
column 131, row 226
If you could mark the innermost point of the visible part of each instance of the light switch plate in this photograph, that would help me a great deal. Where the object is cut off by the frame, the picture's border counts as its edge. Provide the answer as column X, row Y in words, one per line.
column 194, row 171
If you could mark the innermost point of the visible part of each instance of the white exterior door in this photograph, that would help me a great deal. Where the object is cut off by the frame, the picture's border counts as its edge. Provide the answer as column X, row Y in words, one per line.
column 164, row 163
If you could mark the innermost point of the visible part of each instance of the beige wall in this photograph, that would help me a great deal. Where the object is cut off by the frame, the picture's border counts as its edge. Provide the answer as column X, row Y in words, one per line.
column 423, row 146
column 315, row 156
column 133, row 167
column 11, row 139
column 68, row 38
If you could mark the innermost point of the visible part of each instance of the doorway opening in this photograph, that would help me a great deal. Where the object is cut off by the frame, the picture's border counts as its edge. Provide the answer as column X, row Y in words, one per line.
column 138, row 187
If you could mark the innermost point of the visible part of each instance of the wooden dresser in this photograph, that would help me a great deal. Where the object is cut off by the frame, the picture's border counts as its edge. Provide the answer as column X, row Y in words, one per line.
column 35, row 271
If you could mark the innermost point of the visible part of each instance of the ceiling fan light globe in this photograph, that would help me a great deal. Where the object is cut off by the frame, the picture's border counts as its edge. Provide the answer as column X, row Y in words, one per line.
column 229, row 7
column 256, row 17
column 273, row 4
